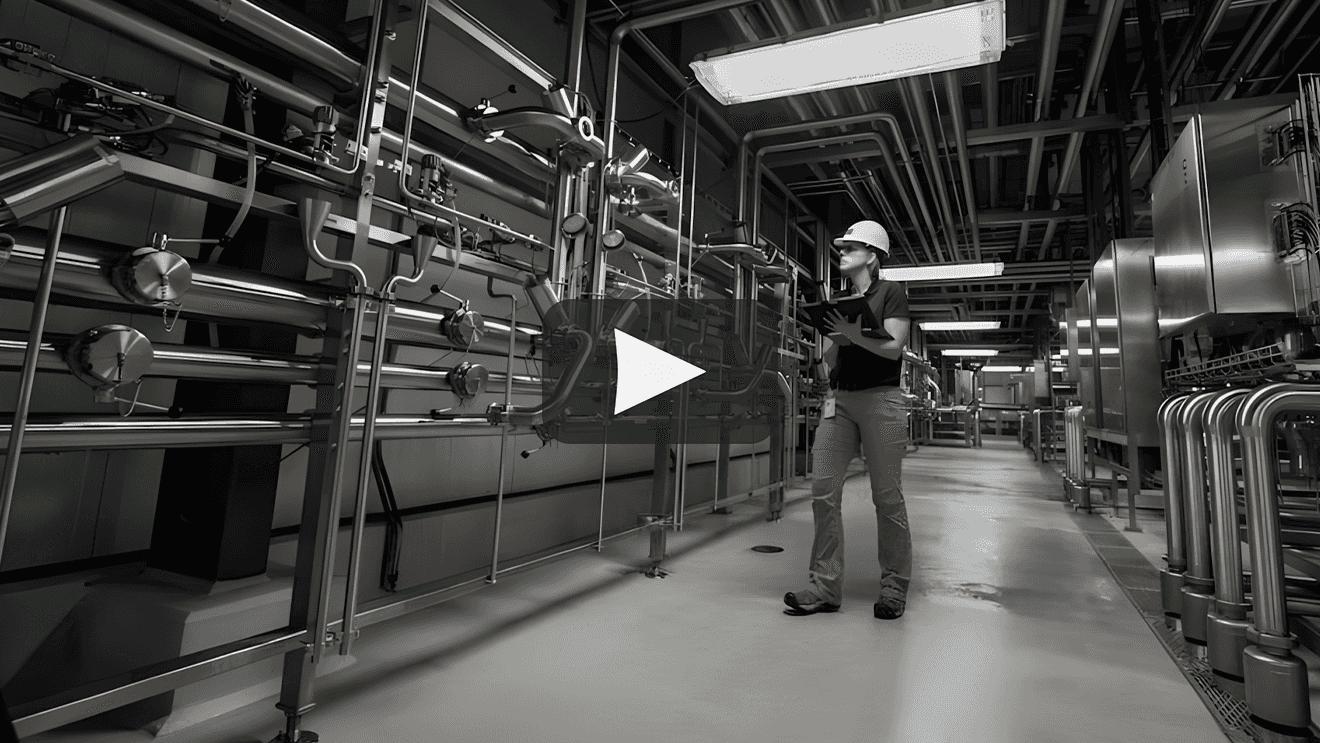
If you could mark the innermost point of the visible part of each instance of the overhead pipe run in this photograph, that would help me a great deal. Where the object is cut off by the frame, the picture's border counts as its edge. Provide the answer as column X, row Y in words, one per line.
column 327, row 62
column 881, row 148
column 887, row 119
column 953, row 89
column 224, row 293
column 622, row 31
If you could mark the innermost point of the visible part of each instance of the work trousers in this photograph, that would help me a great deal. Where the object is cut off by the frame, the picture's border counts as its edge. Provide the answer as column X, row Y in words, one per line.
column 875, row 419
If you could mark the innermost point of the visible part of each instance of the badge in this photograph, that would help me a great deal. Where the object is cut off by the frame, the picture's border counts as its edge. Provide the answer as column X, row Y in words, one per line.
column 827, row 409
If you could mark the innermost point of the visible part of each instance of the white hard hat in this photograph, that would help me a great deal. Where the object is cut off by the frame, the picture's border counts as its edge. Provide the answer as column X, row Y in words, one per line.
column 868, row 232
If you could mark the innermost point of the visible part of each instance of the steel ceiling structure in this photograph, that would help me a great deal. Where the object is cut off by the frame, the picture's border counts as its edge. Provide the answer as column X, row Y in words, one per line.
column 1037, row 161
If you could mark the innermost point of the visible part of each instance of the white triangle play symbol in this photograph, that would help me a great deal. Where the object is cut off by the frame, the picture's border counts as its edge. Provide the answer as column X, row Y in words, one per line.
column 645, row 371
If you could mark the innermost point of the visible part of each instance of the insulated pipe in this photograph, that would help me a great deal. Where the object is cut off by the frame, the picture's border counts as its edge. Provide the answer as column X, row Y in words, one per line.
column 324, row 60
column 36, row 326
column 611, row 109
column 1277, row 687
column 744, row 150
column 882, row 147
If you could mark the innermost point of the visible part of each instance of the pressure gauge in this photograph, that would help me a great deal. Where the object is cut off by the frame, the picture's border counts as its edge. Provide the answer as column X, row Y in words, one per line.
column 107, row 356
column 153, row 276
column 468, row 379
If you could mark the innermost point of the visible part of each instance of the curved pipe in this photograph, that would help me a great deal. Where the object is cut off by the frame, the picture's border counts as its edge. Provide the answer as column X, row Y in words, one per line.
column 612, row 104
column 840, row 121
column 1173, row 464
column 1191, row 421
column 312, row 214
column 578, row 133
column 1255, row 423
column 657, row 190
column 1226, row 540
column 882, row 147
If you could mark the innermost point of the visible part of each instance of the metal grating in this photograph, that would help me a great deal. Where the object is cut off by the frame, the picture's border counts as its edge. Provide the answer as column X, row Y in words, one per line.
column 1231, row 714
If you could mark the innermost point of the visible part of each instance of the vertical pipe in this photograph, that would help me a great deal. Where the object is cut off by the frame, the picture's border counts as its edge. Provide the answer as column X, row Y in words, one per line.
column 604, row 453
column 36, row 327
column 1226, row 540
column 504, row 442
column 1157, row 93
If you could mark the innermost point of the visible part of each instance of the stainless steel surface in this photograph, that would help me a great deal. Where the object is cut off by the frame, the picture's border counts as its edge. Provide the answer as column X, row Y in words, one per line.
column 323, row 59
column 36, row 326
column 1198, row 580
column 1225, row 538
column 108, row 356
column 1171, row 459
column 152, row 33
column 1212, row 210
column 1087, row 384
column 1255, row 422
column 1106, row 353
column 47, row 179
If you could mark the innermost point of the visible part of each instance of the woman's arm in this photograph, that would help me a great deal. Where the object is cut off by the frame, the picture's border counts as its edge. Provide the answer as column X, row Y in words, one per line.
column 897, row 327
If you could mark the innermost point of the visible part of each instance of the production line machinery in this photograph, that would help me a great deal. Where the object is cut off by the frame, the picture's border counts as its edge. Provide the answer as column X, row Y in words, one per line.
column 375, row 234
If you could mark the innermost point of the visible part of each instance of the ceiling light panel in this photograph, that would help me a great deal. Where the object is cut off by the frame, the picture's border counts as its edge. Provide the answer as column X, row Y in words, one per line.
column 969, row 352
column 943, row 272
column 963, row 325
column 945, row 39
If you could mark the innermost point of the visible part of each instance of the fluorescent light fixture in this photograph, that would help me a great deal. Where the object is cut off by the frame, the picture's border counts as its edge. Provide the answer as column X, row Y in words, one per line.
column 1002, row 369
column 1057, row 356
column 963, row 325
column 969, row 352
column 1106, row 322
column 946, row 39
column 939, row 273
column 1029, row 369
column 1083, row 352
column 1110, row 351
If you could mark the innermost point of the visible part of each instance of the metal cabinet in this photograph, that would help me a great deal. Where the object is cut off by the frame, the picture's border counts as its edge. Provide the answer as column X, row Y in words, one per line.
column 1214, row 200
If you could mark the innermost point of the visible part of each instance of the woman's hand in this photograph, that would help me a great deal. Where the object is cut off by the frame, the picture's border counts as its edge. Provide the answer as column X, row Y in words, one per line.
column 838, row 324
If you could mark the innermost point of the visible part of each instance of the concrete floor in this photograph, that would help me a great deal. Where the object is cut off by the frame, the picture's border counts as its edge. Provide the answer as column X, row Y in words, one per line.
column 1014, row 632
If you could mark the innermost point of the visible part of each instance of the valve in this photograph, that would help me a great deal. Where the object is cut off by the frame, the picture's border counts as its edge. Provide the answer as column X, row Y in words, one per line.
column 468, row 379
column 435, row 184
column 325, row 119
column 154, row 276
column 464, row 327
column 108, row 356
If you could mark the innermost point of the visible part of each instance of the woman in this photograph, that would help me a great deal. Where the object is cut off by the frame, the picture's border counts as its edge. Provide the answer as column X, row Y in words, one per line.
column 868, row 408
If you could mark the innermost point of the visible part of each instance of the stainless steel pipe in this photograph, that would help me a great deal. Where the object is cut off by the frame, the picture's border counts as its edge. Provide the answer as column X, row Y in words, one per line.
column 854, row 119
column 223, row 293
column 1277, row 688
column 1226, row 627
column 36, row 326
column 1198, row 581
column 1172, row 464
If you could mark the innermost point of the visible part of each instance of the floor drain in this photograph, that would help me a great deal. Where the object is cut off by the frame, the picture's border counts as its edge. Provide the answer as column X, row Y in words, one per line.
column 767, row 548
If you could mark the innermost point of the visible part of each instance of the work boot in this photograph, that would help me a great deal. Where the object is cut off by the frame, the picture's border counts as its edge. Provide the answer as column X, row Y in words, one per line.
column 804, row 603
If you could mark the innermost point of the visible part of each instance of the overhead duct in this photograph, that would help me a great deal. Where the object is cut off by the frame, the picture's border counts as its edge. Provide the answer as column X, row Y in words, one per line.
column 48, row 179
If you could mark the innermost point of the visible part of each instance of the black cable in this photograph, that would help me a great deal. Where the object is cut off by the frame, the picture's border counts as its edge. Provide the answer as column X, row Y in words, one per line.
column 389, row 565
column 672, row 102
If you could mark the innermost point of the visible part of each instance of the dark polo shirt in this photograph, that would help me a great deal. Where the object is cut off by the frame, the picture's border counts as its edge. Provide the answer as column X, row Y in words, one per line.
column 858, row 368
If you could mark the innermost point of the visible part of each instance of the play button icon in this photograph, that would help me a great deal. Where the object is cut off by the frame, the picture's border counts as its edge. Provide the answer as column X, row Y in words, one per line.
column 645, row 371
